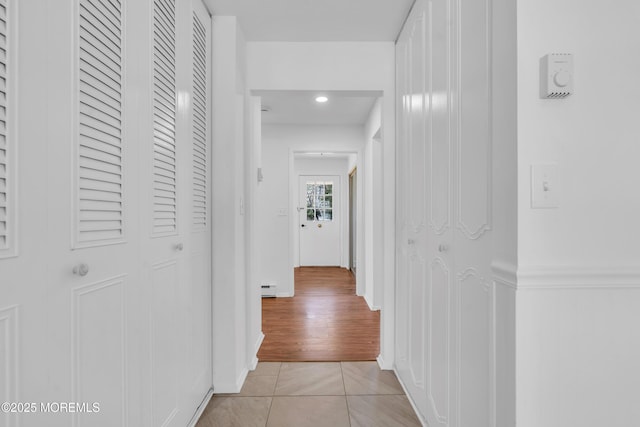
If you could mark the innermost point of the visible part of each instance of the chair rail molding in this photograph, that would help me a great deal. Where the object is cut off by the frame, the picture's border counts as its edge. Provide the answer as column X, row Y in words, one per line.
column 577, row 277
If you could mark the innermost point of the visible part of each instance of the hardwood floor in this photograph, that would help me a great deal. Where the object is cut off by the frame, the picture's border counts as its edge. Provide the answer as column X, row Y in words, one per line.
column 324, row 321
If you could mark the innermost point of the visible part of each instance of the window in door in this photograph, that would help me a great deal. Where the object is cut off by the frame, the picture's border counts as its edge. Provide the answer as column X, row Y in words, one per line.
column 319, row 201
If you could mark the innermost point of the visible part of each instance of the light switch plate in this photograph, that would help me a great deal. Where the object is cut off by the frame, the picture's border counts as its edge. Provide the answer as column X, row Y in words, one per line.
column 544, row 186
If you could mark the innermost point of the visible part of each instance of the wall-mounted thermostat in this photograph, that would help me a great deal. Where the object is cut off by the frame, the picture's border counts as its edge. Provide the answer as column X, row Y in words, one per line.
column 556, row 75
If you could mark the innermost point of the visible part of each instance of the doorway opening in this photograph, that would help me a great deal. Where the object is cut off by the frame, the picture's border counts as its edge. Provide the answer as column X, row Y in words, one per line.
column 316, row 241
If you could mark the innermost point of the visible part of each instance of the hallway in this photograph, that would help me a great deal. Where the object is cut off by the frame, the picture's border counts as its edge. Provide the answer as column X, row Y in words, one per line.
column 154, row 157
column 346, row 394
column 324, row 321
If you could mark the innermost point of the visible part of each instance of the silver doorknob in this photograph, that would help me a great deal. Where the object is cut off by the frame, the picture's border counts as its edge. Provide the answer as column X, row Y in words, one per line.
column 443, row 247
column 179, row 247
column 81, row 269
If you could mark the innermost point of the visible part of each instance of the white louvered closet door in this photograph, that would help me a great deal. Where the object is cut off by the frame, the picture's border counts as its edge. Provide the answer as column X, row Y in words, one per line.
column 174, row 157
column 104, row 276
column 198, row 297
column 163, row 237
column 93, row 276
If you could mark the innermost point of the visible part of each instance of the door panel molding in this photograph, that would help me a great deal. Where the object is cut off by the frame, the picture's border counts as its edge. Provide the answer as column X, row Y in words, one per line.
column 439, row 355
column 9, row 356
column 100, row 352
column 441, row 117
column 474, row 124
column 476, row 355
column 163, row 355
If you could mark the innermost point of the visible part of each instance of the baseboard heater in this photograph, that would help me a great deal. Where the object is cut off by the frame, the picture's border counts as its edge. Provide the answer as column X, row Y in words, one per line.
column 268, row 291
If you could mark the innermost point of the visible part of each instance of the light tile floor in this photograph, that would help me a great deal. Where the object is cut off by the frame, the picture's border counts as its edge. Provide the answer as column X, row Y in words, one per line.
column 306, row 394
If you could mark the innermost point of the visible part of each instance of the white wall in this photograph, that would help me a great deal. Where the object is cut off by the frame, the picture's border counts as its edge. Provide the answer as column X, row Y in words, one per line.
column 373, row 209
column 578, row 344
column 230, row 327
column 275, row 236
column 252, row 161
column 328, row 66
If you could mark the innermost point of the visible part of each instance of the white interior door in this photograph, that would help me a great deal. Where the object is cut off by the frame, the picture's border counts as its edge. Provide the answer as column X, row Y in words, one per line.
column 444, row 337
column 319, row 219
column 105, row 277
column 93, row 283
column 175, row 214
column 198, row 291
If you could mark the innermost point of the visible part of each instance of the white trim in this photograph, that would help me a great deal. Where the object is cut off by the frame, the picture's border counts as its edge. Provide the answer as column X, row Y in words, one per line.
column 413, row 405
column 232, row 387
column 383, row 364
column 505, row 273
column 370, row 303
column 254, row 357
column 572, row 277
column 284, row 295
column 200, row 409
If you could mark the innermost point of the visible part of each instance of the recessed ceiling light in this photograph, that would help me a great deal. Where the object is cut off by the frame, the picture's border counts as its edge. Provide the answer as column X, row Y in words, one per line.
column 322, row 99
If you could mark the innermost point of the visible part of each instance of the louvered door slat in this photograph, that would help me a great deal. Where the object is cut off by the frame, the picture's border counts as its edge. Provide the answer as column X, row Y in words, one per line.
column 100, row 214
column 108, row 64
column 6, row 145
column 94, row 82
column 108, row 20
column 97, row 137
column 199, row 126
column 94, row 32
column 107, row 107
column 99, row 125
column 164, row 112
column 104, row 116
column 164, row 119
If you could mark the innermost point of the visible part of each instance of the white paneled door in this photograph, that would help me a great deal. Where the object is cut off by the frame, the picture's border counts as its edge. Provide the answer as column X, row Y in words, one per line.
column 445, row 301
column 105, row 298
column 175, row 210
column 320, row 218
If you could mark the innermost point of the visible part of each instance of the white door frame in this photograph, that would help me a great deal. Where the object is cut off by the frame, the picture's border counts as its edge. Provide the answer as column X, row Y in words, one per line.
column 294, row 259
column 336, row 222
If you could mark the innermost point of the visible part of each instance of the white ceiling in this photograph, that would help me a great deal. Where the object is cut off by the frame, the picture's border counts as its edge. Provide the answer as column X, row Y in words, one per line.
column 300, row 107
column 316, row 20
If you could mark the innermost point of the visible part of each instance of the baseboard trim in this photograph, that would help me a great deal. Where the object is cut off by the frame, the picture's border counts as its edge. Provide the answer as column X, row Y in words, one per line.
column 380, row 361
column 577, row 278
column 254, row 357
column 232, row 387
column 201, row 408
column 284, row 295
column 370, row 304
column 413, row 405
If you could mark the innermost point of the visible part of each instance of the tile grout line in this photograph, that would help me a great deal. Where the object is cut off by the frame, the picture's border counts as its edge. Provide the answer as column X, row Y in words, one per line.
column 346, row 400
column 273, row 396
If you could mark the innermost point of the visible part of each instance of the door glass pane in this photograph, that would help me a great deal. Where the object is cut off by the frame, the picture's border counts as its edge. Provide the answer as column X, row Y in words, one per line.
column 328, row 202
column 319, row 201
column 310, row 192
